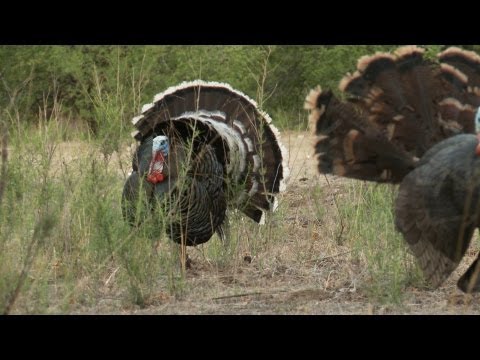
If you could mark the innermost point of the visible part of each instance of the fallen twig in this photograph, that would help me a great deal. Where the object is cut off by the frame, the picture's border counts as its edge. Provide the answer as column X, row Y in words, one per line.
column 333, row 256
column 250, row 294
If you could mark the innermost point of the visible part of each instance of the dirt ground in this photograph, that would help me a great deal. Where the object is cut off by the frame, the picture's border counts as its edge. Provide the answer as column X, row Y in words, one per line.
column 306, row 273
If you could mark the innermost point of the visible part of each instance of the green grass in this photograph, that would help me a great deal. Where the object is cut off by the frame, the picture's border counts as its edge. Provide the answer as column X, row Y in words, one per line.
column 62, row 231
column 368, row 213
column 61, row 224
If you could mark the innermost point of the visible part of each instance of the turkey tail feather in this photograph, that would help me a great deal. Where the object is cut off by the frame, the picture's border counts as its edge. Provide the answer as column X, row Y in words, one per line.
column 348, row 145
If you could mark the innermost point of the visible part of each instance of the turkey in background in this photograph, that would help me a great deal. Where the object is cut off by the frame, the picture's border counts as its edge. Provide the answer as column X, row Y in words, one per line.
column 203, row 147
column 412, row 121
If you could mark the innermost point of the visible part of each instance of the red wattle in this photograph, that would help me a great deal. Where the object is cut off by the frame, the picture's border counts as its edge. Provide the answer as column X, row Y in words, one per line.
column 155, row 173
column 155, row 177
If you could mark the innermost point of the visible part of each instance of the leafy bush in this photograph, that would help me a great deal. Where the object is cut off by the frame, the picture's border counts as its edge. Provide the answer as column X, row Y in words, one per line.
column 33, row 76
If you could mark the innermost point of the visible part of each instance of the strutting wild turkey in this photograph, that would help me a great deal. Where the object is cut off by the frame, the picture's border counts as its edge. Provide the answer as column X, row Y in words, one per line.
column 412, row 121
column 204, row 146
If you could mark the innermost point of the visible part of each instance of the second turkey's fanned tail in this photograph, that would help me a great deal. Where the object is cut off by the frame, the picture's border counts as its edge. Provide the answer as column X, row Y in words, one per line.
column 400, row 105
column 242, row 135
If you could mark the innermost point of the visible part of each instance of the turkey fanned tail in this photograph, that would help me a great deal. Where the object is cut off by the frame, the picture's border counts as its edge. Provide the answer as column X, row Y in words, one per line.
column 398, row 106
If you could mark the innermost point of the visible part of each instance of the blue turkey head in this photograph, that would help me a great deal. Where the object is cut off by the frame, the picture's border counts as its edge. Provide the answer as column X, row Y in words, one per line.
column 160, row 143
